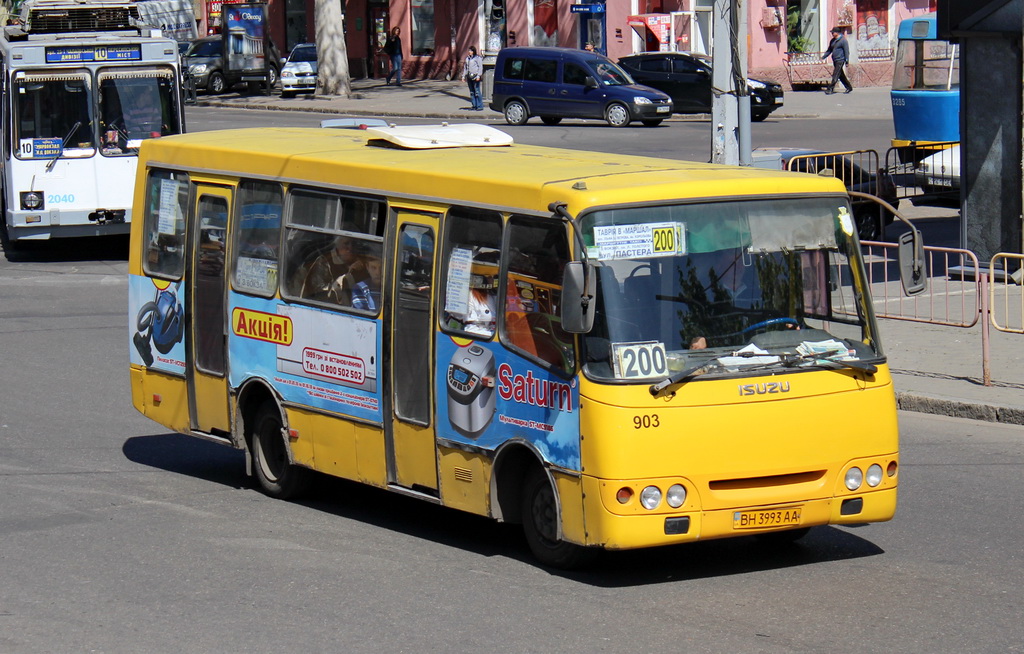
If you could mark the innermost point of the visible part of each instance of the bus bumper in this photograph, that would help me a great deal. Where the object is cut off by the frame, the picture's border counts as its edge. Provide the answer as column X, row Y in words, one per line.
column 650, row 529
column 41, row 225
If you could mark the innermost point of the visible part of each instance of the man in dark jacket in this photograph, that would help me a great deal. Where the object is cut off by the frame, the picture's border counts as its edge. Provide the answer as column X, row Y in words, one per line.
column 840, row 51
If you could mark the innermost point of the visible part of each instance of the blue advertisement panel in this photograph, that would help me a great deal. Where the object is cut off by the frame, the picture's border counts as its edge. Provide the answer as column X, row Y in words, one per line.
column 321, row 359
column 244, row 32
column 156, row 314
column 487, row 395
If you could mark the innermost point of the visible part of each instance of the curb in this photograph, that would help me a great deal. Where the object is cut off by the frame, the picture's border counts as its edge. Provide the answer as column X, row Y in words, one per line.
column 1001, row 413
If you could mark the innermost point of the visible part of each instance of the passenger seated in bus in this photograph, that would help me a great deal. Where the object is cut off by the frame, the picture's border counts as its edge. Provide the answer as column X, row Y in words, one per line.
column 331, row 276
column 366, row 294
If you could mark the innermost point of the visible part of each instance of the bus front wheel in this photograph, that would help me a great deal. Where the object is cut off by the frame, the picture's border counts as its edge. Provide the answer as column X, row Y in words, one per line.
column 540, row 524
column 277, row 477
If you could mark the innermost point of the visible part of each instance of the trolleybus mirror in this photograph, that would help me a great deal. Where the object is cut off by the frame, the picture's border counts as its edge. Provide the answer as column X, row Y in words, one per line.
column 579, row 286
column 911, row 260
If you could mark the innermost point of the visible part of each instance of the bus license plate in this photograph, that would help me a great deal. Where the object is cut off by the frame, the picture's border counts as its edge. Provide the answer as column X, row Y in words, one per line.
column 663, row 110
column 786, row 517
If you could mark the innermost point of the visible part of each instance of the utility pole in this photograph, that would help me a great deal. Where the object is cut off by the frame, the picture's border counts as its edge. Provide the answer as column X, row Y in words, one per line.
column 730, row 113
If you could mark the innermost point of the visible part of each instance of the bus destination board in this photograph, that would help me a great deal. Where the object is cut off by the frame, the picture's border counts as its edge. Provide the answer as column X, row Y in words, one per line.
column 87, row 53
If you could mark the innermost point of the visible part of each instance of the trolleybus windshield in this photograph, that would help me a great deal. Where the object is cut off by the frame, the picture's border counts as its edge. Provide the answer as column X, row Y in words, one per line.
column 53, row 114
column 135, row 105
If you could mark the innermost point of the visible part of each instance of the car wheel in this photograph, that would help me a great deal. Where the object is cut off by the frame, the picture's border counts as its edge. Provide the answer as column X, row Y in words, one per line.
column 653, row 122
column 550, row 120
column 516, row 113
column 215, row 85
column 617, row 115
column 272, row 76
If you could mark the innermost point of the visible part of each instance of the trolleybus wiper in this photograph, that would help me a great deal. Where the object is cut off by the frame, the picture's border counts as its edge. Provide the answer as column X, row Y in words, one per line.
column 53, row 162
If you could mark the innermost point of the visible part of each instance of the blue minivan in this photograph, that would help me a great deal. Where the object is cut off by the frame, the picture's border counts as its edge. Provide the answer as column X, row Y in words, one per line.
column 557, row 83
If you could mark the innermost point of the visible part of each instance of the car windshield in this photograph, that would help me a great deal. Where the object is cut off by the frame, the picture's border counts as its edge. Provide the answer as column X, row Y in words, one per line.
column 743, row 285
column 608, row 73
column 303, row 54
column 204, row 49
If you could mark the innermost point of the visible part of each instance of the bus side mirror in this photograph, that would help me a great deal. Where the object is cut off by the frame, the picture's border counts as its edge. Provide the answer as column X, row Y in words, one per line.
column 911, row 260
column 579, row 284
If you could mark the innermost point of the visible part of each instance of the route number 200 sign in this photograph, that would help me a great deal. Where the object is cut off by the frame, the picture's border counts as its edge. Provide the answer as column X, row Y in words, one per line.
column 643, row 360
column 642, row 240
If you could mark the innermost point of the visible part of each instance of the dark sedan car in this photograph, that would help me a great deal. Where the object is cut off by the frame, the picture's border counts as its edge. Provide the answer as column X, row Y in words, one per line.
column 686, row 78
column 205, row 61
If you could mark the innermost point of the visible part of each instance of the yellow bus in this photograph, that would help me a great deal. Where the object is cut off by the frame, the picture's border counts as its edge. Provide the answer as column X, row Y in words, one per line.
column 614, row 351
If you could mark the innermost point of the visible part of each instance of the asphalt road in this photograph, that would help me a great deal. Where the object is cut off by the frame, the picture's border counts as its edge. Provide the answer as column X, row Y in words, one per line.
column 678, row 138
column 116, row 536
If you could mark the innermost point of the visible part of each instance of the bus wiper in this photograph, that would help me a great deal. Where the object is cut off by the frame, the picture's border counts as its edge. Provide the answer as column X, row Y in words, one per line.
column 792, row 360
column 64, row 142
column 684, row 375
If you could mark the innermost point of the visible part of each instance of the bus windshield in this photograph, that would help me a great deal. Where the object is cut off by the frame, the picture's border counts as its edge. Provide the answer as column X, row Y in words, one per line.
column 752, row 285
column 135, row 105
column 926, row 65
column 53, row 114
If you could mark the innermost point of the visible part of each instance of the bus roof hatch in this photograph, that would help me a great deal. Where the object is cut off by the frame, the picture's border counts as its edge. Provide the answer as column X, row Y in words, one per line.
column 426, row 137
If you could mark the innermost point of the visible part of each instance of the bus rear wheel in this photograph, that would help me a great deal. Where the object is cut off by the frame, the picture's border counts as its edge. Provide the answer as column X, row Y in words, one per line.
column 540, row 524
column 277, row 477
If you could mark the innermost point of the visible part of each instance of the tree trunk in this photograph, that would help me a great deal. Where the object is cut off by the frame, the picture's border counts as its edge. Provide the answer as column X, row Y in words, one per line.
column 331, row 51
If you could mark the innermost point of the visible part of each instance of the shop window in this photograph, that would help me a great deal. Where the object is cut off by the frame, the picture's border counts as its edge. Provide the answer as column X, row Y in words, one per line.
column 423, row 27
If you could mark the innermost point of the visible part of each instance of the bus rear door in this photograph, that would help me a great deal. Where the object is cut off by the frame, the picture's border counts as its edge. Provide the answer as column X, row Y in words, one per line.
column 206, row 364
column 411, row 449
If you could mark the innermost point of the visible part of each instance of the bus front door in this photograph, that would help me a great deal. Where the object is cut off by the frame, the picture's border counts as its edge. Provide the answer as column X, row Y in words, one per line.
column 207, row 360
column 411, row 449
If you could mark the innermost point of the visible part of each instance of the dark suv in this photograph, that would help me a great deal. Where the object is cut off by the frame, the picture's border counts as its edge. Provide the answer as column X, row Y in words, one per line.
column 205, row 61
column 557, row 83
column 686, row 78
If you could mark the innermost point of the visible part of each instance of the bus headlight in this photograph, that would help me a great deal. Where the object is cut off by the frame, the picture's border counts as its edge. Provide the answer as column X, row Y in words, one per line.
column 854, row 478
column 874, row 476
column 676, row 495
column 31, row 200
column 650, row 497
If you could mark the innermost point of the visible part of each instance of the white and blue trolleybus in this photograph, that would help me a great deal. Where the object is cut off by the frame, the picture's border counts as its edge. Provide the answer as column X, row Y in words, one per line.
column 83, row 86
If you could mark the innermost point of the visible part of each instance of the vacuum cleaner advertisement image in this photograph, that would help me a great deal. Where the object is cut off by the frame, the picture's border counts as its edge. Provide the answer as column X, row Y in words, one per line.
column 156, row 310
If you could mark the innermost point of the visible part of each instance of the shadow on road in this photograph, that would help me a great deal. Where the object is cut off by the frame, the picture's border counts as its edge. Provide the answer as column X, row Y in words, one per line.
column 484, row 537
column 93, row 248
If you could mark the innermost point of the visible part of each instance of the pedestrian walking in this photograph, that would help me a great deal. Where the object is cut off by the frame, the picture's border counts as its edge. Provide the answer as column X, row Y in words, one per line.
column 473, row 72
column 393, row 49
column 839, row 48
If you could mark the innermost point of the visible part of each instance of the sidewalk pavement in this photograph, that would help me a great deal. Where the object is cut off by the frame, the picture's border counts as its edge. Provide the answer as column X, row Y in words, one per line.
column 937, row 369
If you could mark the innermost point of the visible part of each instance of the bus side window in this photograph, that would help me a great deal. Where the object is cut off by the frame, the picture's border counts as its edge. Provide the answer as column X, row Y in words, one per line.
column 327, row 241
column 258, row 236
column 471, row 251
column 166, row 208
column 537, row 251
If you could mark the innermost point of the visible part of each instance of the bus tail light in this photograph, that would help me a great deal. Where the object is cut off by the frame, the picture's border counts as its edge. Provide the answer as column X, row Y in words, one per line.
column 624, row 495
column 891, row 469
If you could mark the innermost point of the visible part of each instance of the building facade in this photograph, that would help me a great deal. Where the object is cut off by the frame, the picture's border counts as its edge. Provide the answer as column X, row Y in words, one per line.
column 785, row 37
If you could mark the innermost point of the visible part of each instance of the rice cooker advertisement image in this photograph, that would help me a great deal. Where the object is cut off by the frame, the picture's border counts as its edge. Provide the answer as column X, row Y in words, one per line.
column 486, row 395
